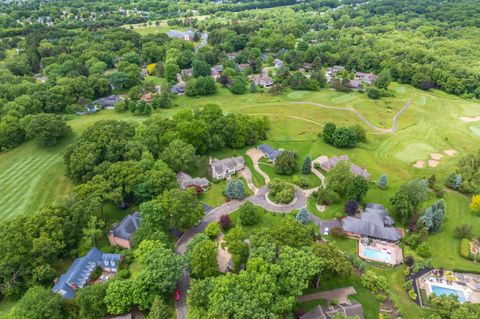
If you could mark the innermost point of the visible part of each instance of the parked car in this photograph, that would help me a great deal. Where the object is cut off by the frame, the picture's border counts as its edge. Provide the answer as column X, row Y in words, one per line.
column 177, row 295
column 325, row 231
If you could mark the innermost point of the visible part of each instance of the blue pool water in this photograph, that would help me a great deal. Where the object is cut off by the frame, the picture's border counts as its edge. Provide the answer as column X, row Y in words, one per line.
column 375, row 254
column 439, row 291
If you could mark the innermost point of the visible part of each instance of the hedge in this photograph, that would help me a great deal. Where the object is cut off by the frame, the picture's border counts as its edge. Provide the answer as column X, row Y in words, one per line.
column 464, row 248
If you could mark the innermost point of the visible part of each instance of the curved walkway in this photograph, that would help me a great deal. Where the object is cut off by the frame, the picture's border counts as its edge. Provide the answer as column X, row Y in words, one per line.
column 393, row 129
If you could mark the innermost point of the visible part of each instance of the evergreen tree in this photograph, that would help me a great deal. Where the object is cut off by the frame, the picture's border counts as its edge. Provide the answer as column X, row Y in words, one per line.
column 383, row 181
column 235, row 189
column 307, row 165
column 302, row 216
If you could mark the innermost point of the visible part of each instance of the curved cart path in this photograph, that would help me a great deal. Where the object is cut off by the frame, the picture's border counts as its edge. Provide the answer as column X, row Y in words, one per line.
column 393, row 129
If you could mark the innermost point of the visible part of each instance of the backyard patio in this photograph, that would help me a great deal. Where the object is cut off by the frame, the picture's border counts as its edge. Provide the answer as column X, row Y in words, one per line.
column 378, row 251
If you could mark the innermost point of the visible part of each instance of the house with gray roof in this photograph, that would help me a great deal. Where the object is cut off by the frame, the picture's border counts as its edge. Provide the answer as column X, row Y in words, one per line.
column 262, row 80
column 122, row 233
column 355, row 169
column 79, row 273
column 349, row 309
column 269, row 152
column 375, row 222
column 216, row 71
column 178, row 88
column 185, row 36
column 107, row 102
column 225, row 168
column 185, row 181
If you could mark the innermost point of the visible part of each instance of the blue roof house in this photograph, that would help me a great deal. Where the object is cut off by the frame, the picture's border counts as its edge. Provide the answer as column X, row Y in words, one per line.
column 269, row 152
column 81, row 269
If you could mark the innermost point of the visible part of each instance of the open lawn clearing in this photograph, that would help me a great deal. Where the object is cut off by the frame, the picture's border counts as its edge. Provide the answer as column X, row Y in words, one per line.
column 371, row 306
column 265, row 220
column 214, row 196
column 152, row 27
column 444, row 245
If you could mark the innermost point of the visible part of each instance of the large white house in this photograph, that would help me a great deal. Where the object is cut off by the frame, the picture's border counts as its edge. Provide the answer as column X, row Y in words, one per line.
column 226, row 167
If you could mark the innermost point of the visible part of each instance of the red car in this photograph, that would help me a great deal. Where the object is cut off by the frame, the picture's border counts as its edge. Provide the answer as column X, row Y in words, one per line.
column 177, row 295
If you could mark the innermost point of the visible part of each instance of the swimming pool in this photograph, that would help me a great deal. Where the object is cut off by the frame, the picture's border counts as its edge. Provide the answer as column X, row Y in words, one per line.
column 381, row 255
column 439, row 291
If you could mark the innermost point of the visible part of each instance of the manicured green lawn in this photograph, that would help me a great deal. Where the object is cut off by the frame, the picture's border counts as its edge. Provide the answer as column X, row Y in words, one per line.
column 444, row 245
column 265, row 220
column 214, row 196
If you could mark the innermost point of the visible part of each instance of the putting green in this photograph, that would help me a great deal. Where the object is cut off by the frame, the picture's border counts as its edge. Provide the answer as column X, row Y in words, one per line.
column 475, row 130
column 297, row 94
column 414, row 151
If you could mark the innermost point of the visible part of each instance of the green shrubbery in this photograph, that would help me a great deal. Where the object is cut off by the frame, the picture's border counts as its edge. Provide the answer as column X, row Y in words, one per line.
column 464, row 248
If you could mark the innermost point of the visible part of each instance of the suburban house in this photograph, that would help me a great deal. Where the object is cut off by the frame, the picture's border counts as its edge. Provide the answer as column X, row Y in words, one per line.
column 187, row 73
column 368, row 78
column 226, row 167
column 356, row 170
column 185, row 36
column 242, row 66
column 355, row 84
column 262, row 80
column 122, row 233
column 278, row 63
column 269, row 152
column 178, row 88
column 307, row 66
column 374, row 223
column 185, row 181
column 79, row 273
column 332, row 72
column 107, row 102
column 349, row 309
column 216, row 71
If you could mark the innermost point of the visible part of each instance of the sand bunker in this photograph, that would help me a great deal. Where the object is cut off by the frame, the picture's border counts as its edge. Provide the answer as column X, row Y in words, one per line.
column 419, row 164
column 433, row 163
column 450, row 152
column 467, row 119
column 436, row 156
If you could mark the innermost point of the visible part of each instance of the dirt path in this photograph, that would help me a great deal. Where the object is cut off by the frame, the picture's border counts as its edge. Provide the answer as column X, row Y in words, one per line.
column 393, row 129
column 289, row 116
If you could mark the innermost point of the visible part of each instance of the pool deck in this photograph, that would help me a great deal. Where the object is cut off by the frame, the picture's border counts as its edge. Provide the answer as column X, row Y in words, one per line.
column 468, row 284
column 395, row 251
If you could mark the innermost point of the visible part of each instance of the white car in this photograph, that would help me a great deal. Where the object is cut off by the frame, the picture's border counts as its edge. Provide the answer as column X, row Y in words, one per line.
column 325, row 231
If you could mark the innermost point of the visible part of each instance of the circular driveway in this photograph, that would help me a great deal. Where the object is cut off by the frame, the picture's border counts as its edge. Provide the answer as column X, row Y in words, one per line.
column 259, row 199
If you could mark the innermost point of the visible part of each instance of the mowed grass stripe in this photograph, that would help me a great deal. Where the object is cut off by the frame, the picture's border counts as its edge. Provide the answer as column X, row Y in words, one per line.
column 12, row 170
column 19, row 189
column 33, row 164
column 15, row 193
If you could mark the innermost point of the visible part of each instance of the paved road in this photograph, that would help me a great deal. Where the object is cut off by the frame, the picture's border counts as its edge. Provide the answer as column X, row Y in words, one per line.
column 256, row 155
column 393, row 129
column 204, row 37
column 340, row 294
column 181, row 247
